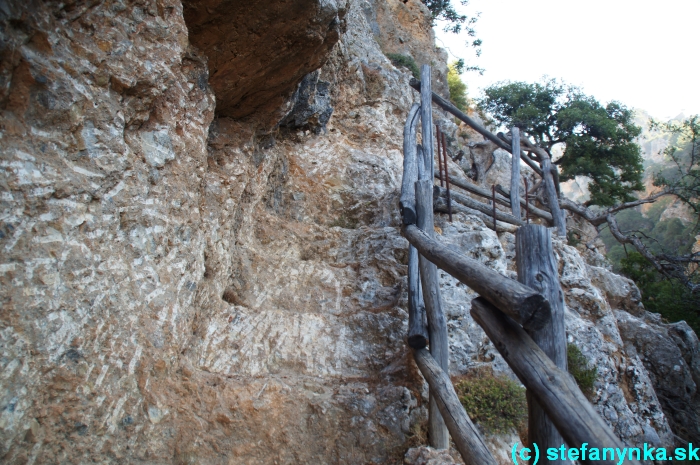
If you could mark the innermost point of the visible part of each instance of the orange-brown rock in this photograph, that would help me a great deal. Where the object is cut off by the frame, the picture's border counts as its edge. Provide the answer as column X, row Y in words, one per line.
column 260, row 50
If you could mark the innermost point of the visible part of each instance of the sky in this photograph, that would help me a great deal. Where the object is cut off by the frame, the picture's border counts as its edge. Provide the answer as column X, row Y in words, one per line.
column 640, row 53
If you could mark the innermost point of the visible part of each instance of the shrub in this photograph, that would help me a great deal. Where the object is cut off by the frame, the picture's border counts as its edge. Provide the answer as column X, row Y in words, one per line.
column 578, row 367
column 406, row 61
column 573, row 238
column 498, row 404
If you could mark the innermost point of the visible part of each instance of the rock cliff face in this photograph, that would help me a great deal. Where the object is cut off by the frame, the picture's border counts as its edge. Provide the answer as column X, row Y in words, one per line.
column 201, row 260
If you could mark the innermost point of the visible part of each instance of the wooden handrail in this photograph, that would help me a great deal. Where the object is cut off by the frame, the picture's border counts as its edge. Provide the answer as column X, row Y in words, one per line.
column 554, row 389
column 447, row 106
column 525, row 305
column 476, row 205
column 469, row 442
column 481, row 192
column 440, row 206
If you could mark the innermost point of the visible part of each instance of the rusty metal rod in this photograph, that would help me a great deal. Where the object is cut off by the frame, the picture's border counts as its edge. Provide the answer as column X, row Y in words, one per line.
column 447, row 177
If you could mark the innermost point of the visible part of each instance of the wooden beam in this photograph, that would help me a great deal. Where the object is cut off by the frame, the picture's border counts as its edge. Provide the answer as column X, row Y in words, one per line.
column 525, row 305
column 466, row 437
column 553, row 200
column 440, row 206
column 537, row 268
column 476, row 205
column 469, row 187
column 558, row 217
column 555, row 390
column 447, row 176
column 407, row 201
column 447, row 106
column 437, row 324
column 417, row 328
column 515, row 174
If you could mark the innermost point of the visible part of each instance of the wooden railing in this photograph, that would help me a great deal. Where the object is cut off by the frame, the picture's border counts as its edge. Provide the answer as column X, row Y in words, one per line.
column 524, row 319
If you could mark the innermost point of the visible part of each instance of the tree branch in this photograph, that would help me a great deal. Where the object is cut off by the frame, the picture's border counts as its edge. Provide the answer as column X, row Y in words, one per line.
column 668, row 266
column 596, row 219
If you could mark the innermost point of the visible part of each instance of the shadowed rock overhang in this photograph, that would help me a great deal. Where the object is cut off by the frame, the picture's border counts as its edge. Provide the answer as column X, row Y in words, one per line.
column 259, row 51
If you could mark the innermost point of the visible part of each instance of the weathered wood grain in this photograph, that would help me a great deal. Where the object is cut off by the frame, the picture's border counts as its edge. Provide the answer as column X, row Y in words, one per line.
column 537, row 268
column 466, row 437
column 417, row 327
column 515, row 174
column 426, row 116
column 437, row 324
column 481, row 192
column 527, row 306
column 407, row 201
column 555, row 390
column 440, row 206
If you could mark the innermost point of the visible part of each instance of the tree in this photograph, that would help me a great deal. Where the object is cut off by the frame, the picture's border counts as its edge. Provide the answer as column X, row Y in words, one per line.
column 444, row 10
column 598, row 140
column 458, row 89
column 683, row 174
column 670, row 298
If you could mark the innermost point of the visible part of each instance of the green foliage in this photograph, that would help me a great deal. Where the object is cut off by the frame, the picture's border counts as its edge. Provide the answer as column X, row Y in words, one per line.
column 458, row 89
column 444, row 10
column 573, row 238
column 406, row 61
column 599, row 140
column 497, row 404
column 578, row 367
column 669, row 236
column 683, row 174
column 669, row 298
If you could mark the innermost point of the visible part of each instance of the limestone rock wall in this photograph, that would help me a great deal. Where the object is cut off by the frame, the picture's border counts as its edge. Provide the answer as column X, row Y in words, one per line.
column 185, row 282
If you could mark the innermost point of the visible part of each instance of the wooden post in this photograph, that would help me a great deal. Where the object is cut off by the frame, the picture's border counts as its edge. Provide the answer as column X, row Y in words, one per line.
column 515, row 174
column 493, row 204
column 426, row 115
column 558, row 217
column 417, row 328
column 420, row 156
column 407, row 201
column 557, row 212
column 538, row 269
column 437, row 325
column 447, row 177
column 527, row 306
column 554, row 389
column 527, row 203
column 469, row 442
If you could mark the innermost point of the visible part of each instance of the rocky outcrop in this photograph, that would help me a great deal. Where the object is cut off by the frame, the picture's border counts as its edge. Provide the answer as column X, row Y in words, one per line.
column 672, row 367
column 258, row 51
column 185, row 287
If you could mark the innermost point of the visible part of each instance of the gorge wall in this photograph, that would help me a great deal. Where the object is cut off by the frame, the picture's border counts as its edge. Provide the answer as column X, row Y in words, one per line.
column 201, row 257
